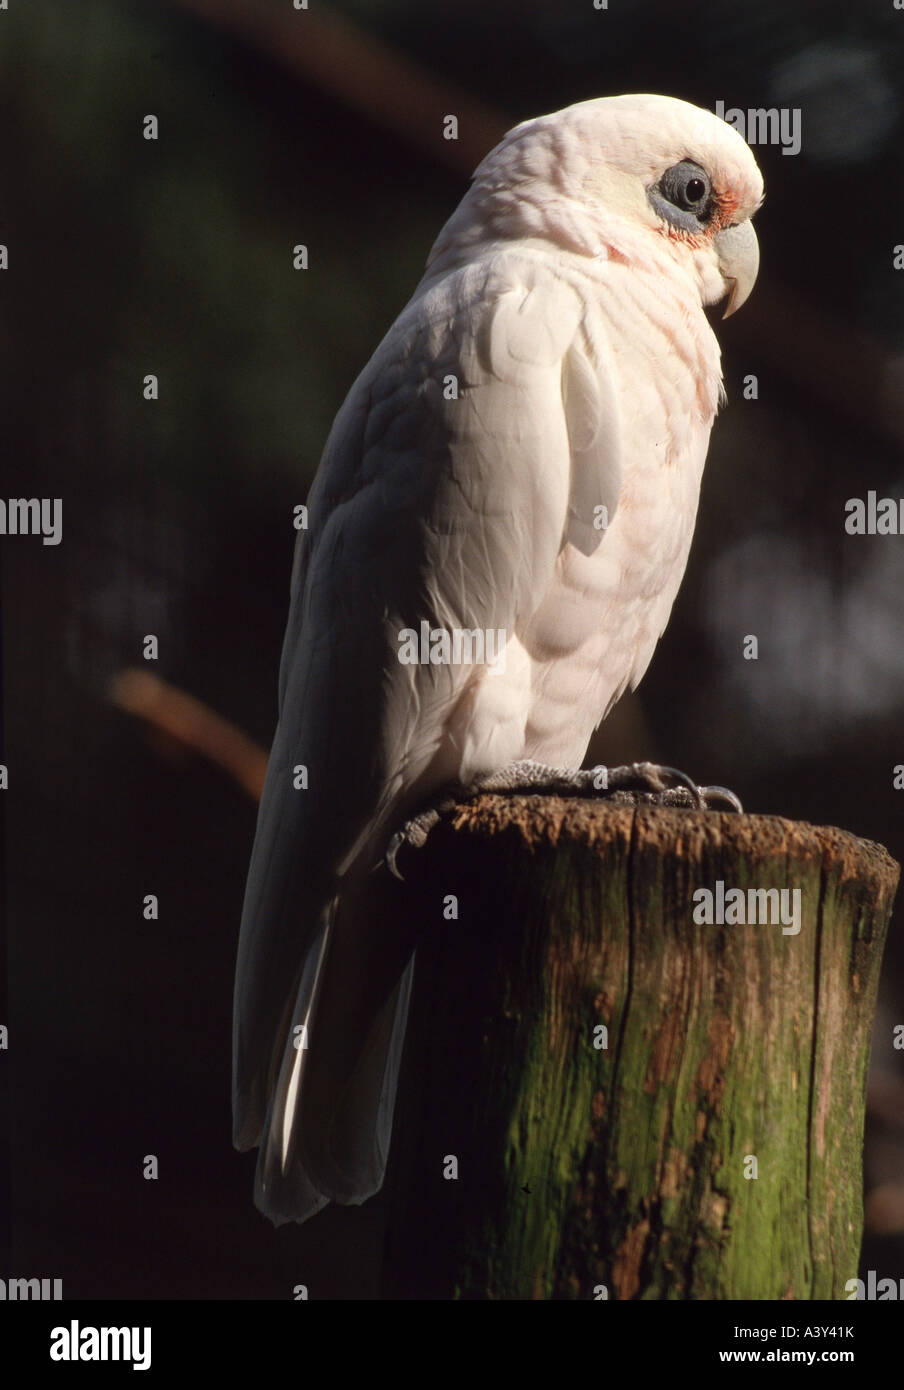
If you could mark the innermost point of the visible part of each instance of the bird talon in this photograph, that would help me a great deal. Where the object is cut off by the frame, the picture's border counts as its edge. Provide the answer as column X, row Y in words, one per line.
column 710, row 794
column 389, row 858
column 653, row 784
column 413, row 833
column 683, row 781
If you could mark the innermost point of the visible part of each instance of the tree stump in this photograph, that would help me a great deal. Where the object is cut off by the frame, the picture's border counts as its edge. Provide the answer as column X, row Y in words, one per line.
column 606, row 1095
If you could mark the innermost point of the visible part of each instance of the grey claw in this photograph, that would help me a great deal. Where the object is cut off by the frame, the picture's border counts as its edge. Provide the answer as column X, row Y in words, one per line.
column 392, row 850
column 414, row 833
column 721, row 794
column 683, row 780
column 660, row 780
column 669, row 786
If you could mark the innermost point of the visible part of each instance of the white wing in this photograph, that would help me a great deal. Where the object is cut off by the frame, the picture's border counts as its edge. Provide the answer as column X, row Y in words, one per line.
column 427, row 507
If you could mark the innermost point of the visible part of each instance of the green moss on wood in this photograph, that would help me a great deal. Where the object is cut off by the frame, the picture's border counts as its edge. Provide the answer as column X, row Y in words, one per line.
column 625, row 1167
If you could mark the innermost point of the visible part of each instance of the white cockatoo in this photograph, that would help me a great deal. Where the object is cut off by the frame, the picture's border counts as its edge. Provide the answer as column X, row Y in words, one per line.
column 520, row 458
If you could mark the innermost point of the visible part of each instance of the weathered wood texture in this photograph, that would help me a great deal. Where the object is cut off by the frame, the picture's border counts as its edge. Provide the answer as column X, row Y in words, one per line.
column 628, row 1167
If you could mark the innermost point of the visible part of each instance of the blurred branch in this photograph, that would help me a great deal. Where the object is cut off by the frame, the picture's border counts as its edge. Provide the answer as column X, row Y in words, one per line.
column 367, row 74
column 193, row 725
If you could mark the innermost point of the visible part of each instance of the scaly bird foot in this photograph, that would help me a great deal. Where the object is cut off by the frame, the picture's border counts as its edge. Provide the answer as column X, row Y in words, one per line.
column 636, row 784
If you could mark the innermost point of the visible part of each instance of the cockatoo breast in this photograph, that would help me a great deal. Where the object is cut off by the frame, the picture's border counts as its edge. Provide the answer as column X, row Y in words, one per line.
column 594, row 631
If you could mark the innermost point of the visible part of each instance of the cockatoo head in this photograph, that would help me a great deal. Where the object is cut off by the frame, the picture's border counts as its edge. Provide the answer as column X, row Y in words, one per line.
column 628, row 177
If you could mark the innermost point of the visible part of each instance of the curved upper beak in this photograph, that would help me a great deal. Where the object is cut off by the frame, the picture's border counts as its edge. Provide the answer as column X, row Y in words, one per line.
column 739, row 260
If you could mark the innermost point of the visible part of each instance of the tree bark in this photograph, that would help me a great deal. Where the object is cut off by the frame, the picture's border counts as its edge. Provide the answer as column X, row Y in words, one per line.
column 604, row 1097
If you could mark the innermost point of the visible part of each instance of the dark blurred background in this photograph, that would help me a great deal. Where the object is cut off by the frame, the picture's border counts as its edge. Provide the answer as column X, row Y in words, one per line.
column 174, row 257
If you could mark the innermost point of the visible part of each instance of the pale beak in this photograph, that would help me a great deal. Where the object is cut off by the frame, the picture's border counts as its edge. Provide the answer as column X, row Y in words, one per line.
column 739, row 260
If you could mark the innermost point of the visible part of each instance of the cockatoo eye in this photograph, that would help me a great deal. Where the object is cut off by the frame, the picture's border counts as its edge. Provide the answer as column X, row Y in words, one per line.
column 687, row 187
column 683, row 196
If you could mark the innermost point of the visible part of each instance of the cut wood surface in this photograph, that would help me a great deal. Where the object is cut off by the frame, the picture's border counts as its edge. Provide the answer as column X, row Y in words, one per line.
column 637, row 1104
